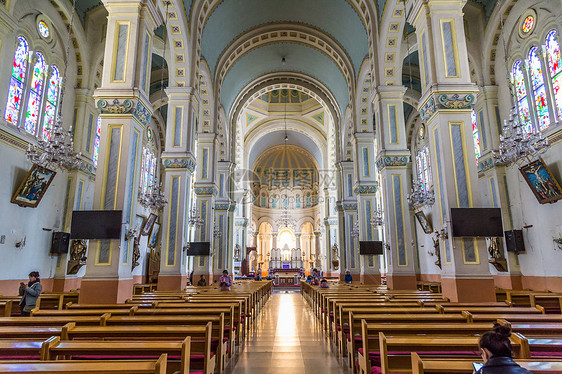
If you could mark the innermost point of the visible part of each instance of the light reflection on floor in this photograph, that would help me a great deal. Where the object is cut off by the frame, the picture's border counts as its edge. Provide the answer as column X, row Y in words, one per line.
column 286, row 339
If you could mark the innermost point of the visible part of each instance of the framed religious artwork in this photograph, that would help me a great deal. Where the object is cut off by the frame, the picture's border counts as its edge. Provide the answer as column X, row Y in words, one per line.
column 424, row 222
column 153, row 237
column 33, row 187
column 139, row 221
column 541, row 181
column 148, row 224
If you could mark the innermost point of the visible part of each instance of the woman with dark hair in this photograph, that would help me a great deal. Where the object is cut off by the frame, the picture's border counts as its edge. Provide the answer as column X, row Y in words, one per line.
column 30, row 293
column 495, row 349
column 225, row 281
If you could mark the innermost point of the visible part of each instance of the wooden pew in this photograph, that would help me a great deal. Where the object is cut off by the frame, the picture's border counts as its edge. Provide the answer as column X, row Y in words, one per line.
column 82, row 312
column 6, row 308
column 552, row 303
column 444, row 308
column 28, row 349
column 534, row 329
column 56, row 300
column 52, row 321
column 194, row 320
column 512, row 317
column 464, row 366
column 149, row 332
column 439, row 329
column 29, row 332
column 89, row 367
column 433, row 343
column 55, row 349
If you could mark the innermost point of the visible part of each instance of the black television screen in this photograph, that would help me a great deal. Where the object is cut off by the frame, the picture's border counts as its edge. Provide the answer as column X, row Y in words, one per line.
column 370, row 247
column 199, row 249
column 483, row 222
column 96, row 224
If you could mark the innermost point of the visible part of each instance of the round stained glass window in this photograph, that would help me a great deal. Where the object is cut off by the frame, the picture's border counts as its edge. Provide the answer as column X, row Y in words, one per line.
column 421, row 132
column 528, row 24
column 43, row 29
column 149, row 134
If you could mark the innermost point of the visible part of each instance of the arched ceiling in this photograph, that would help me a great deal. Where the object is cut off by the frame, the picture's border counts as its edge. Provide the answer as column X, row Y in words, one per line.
column 284, row 157
column 298, row 58
column 337, row 18
column 275, row 138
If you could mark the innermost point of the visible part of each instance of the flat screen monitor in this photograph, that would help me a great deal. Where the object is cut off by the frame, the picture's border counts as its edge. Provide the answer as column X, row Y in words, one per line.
column 373, row 247
column 477, row 222
column 199, row 249
column 96, row 224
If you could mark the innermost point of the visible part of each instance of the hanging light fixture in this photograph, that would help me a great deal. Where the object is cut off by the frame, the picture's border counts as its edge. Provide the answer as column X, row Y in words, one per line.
column 286, row 219
column 57, row 152
column 516, row 145
column 155, row 197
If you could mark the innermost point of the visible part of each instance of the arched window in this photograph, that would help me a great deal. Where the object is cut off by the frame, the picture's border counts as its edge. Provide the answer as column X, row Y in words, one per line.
column 521, row 93
column 475, row 135
column 97, row 136
column 555, row 66
column 17, row 81
column 35, row 92
column 51, row 103
column 537, row 83
column 424, row 171
column 148, row 176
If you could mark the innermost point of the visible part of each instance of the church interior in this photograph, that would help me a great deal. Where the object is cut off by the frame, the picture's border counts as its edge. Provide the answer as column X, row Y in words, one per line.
column 232, row 186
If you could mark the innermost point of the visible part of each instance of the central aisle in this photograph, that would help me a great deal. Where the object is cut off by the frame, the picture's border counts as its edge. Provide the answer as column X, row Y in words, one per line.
column 286, row 339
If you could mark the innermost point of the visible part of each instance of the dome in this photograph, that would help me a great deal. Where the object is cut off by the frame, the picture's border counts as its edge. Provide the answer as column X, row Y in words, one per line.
column 284, row 161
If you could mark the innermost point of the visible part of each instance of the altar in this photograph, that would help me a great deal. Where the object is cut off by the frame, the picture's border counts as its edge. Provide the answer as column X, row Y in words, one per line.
column 285, row 276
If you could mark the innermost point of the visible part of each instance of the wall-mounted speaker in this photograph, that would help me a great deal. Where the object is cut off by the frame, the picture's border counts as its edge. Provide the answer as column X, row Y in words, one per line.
column 60, row 242
column 514, row 241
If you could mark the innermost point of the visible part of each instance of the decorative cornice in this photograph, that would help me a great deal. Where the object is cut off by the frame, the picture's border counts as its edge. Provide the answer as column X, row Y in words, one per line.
column 392, row 161
column 485, row 165
column 349, row 207
column 181, row 162
column 448, row 101
column 226, row 206
column 205, row 191
column 366, row 189
column 330, row 222
column 13, row 140
column 128, row 106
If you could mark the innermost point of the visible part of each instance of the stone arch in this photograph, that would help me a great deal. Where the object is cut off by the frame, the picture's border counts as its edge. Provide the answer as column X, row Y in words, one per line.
column 207, row 117
column 363, row 107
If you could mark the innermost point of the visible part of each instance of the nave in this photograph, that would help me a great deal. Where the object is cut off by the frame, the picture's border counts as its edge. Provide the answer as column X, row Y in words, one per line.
column 287, row 339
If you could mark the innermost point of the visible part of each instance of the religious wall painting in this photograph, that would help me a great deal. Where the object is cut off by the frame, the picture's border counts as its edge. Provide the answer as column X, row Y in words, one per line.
column 424, row 222
column 148, row 224
column 138, row 223
column 541, row 181
column 35, row 184
column 153, row 237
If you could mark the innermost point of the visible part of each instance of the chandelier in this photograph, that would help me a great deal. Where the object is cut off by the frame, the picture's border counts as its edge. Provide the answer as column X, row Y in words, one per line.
column 57, row 151
column 355, row 230
column 153, row 198
column 516, row 146
column 377, row 218
column 421, row 196
column 195, row 218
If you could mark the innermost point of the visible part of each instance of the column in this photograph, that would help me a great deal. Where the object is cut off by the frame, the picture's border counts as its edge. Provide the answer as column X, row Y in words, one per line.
column 347, row 216
column 178, row 164
column 365, row 189
column 274, row 240
column 298, row 240
column 493, row 180
column 446, row 104
column 392, row 164
column 224, row 209
column 81, row 187
column 125, row 110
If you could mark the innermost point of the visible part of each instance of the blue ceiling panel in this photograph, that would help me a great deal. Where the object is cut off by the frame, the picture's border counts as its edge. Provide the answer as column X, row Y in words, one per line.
column 234, row 17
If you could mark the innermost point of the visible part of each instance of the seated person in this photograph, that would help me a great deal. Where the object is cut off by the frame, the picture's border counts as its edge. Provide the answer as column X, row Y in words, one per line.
column 309, row 279
column 202, row 281
column 225, row 281
column 348, row 278
column 324, row 284
column 495, row 349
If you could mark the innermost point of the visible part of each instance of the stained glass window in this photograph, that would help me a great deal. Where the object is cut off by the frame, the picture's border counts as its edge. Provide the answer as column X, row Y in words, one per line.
column 43, row 29
column 148, row 177
column 34, row 100
column 97, row 142
column 475, row 135
column 537, row 80
column 51, row 103
column 528, row 24
column 17, row 79
column 521, row 93
column 555, row 66
column 424, row 170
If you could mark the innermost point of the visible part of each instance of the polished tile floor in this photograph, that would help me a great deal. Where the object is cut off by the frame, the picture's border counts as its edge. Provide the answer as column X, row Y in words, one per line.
column 286, row 339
